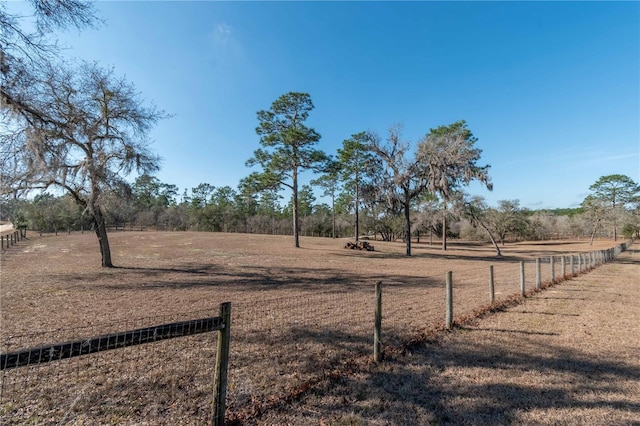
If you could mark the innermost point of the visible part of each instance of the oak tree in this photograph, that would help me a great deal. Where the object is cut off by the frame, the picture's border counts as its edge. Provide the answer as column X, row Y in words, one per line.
column 448, row 159
column 24, row 53
column 92, row 132
column 400, row 180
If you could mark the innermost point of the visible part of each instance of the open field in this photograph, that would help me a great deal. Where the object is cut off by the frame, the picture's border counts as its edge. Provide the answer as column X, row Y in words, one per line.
column 302, row 318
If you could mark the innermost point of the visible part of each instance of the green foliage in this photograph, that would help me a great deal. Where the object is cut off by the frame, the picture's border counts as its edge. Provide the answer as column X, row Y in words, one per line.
column 630, row 230
column 288, row 145
column 567, row 211
column 615, row 189
column 200, row 195
column 149, row 192
column 609, row 196
column 306, row 201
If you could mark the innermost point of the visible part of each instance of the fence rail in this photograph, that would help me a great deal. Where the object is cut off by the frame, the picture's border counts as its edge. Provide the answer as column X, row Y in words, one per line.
column 107, row 342
column 60, row 351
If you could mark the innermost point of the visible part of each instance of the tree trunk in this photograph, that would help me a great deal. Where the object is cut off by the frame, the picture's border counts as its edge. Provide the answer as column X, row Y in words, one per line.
column 407, row 219
column 296, row 237
column 101, row 233
column 333, row 215
column 444, row 228
column 593, row 234
column 357, row 230
column 493, row 241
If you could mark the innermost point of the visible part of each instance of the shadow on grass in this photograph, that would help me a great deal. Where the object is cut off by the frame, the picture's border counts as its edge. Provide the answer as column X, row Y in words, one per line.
column 247, row 278
column 436, row 385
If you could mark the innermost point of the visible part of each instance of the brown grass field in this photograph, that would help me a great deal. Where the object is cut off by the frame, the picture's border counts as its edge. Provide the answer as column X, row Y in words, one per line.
column 302, row 325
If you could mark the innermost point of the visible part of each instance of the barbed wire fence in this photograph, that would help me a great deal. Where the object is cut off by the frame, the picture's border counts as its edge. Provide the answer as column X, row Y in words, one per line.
column 281, row 348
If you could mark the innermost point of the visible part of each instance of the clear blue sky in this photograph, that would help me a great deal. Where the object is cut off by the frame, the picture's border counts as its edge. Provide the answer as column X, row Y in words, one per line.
column 551, row 89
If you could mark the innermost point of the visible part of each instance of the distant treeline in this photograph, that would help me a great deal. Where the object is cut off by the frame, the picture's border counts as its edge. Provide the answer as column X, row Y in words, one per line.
column 154, row 205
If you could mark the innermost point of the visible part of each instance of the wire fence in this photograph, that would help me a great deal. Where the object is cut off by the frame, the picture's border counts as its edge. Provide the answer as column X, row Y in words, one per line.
column 281, row 347
column 163, row 381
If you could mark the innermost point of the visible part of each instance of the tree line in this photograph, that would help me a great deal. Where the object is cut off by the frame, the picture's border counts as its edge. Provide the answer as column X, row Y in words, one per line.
column 74, row 134
column 154, row 205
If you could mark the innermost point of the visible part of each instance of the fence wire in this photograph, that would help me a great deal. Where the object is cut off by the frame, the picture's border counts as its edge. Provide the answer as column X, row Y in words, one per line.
column 166, row 382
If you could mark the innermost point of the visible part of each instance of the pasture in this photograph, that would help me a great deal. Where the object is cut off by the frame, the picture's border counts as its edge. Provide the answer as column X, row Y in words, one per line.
column 302, row 319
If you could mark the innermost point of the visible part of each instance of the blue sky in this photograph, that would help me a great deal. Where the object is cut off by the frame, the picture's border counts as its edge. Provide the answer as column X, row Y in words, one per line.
column 551, row 89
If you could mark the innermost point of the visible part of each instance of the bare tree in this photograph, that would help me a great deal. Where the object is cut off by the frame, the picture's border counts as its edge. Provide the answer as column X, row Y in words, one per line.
column 595, row 211
column 24, row 54
column 92, row 131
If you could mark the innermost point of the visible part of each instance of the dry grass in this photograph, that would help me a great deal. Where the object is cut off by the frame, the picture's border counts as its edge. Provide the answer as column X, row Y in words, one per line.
column 301, row 328
column 568, row 356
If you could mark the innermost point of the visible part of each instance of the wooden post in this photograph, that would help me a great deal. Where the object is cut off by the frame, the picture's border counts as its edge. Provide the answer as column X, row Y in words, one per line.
column 522, row 289
column 492, row 290
column 580, row 263
column 571, row 266
column 449, row 301
column 538, row 274
column 1, row 241
column 553, row 269
column 564, row 267
column 377, row 330
column 222, row 366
